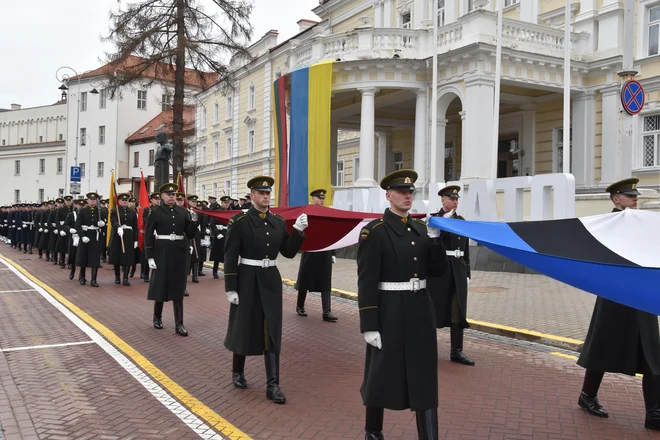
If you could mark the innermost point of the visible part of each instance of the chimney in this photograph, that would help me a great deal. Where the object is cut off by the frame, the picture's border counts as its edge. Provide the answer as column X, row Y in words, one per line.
column 305, row 24
column 15, row 106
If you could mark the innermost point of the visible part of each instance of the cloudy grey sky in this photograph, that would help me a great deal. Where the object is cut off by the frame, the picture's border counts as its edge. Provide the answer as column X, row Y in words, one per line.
column 39, row 36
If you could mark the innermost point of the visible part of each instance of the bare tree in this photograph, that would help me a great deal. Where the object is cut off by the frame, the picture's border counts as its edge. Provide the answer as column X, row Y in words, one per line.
column 179, row 41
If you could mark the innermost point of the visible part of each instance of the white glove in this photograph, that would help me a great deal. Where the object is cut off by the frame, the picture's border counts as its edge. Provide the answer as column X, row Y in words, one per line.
column 45, row 230
column 430, row 231
column 18, row 229
column 135, row 245
column 100, row 223
column 373, row 338
column 41, row 229
column 219, row 236
column 62, row 232
column 61, row 222
column 120, row 232
column 301, row 222
column 334, row 259
column 152, row 263
column 233, row 297
column 219, row 227
column 55, row 231
column 208, row 231
column 85, row 239
column 468, row 281
column 193, row 216
column 449, row 214
column 54, row 224
column 72, row 231
column 191, row 249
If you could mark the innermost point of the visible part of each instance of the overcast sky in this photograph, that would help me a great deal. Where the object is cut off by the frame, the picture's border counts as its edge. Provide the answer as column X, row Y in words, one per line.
column 39, row 36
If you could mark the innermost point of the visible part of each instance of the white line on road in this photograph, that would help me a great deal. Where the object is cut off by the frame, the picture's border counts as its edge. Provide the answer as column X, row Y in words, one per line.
column 12, row 291
column 47, row 346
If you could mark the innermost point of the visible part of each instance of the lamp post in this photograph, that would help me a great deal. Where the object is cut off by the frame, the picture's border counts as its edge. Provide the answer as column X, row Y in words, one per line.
column 89, row 164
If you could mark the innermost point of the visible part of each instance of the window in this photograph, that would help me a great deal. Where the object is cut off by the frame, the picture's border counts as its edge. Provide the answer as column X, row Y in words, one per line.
column 356, row 168
column 166, row 101
column 229, row 110
column 99, row 172
column 17, row 195
column 151, row 158
column 471, row 6
column 203, row 118
column 398, row 160
column 251, row 141
column 216, row 150
column 41, row 195
column 650, row 138
column 4, row 142
column 510, row 2
column 60, row 165
column 82, row 170
column 83, row 102
column 252, row 98
column 215, row 189
column 136, row 159
column 142, row 100
column 101, row 134
column 60, row 192
column 22, row 141
column 203, row 154
column 61, row 136
column 340, row 172
column 405, row 19
column 558, row 161
column 17, row 168
column 227, row 187
column 216, row 113
column 228, row 145
column 441, row 12
column 83, row 137
column 203, row 192
column 41, row 138
column 42, row 166
column 103, row 96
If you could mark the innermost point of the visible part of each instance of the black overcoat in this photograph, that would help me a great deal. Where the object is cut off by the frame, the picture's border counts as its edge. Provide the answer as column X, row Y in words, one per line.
column 37, row 226
column 53, row 230
column 70, row 223
column 404, row 372
column 256, row 236
column 63, row 241
column 218, row 244
column 89, row 254
column 616, row 335
column 128, row 217
column 315, row 271
column 45, row 229
column 168, row 281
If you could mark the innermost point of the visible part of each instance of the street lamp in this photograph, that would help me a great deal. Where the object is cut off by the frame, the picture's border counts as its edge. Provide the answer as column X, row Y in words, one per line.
column 89, row 165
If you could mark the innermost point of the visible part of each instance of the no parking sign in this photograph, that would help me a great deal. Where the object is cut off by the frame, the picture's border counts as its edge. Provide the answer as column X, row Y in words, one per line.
column 632, row 97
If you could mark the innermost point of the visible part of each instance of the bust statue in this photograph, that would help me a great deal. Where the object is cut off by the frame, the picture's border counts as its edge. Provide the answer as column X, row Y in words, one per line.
column 162, row 159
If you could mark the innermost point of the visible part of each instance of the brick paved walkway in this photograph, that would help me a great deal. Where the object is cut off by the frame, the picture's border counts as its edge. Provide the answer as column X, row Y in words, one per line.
column 518, row 390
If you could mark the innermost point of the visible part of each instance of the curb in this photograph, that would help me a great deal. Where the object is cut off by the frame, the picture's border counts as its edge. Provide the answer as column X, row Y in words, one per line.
column 485, row 327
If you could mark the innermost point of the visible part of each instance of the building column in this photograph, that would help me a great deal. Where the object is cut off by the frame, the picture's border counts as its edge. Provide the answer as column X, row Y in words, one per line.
column 367, row 134
column 382, row 155
column 334, row 131
column 388, row 8
column 583, row 124
column 528, row 140
column 610, row 25
column 419, row 14
column 616, row 155
column 451, row 13
column 440, row 141
column 478, row 156
column 421, row 125
column 529, row 11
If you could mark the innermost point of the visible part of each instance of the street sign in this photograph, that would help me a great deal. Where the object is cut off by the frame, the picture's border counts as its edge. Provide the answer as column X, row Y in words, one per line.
column 76, row 174
column 74, row 188
column 632, row 97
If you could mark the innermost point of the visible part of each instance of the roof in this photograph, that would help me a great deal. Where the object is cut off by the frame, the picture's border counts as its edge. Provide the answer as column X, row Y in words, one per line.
column 273, row 49
column 163, row 122
column 162, row 72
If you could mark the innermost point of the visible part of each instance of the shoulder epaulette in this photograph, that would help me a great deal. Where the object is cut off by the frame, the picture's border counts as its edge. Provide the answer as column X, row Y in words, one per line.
column 420, row 221
column 364, row 232
column 279, row 217
column 236, row 218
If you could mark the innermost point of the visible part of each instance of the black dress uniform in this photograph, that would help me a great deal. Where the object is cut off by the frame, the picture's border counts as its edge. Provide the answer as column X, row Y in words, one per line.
column 74, row 238
column 218, row 232
column 195, row 242
column 254, row 240
column 622, row 340
column 171, row 224
column 144, row 267
column 54, row 229
column 449, row 292
column 90, row 224
column 123, row 257
column 395, row 256
column 315, row 275
column 136, row 251
column 103, row 209
column 63, row 237
column 205, row 241
column 44, row 229
column 27, row 225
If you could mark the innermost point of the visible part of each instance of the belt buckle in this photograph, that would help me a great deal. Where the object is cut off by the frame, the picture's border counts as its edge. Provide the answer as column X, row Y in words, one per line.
column 172, row 237
column 415, row 284
column 456, row 253
column 265, row 263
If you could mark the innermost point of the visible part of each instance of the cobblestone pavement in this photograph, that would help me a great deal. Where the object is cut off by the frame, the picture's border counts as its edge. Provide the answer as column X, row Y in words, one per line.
column 518, row 390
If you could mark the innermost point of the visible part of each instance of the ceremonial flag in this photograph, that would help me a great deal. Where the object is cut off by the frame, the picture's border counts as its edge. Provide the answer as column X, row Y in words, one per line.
column 181, row 189
column 113, row 204
column 144, row 202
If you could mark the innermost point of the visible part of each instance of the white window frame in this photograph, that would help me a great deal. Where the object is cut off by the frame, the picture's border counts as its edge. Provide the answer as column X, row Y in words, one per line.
column 508, row 3
column 340, row 172
column 41, row 139
column 251, row 141
column 227, row 189
column 17, row 196
column 60, row 165
column 647, row 29
column 252, row 97
column 82, row 169
column 83, row 136
column 203, row 191
column 641, row 149
column 166, row 101
column 83, row 102
column 40, row 197
column 152, row 155
column 215, row 189
column 229, row 148
column 60, row 192
column 203, row 154
column 216, row 149
column 103, row 97
column 405, row 24
column 141, row 99
column 42, row 166
column 101, row 134
column 356, row 168
column 398, row 164
column 203, row 118
column 216, row 113
column 442, row 17
column 229, row 109
column 100, row 169
column 136, row 159
column 17, row 168
column 558, row 150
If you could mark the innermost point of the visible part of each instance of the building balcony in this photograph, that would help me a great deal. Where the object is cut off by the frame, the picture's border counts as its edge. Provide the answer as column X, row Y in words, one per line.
column 478, row 27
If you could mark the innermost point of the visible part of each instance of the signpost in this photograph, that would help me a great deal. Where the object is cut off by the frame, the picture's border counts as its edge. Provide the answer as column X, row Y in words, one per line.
column 632, row 97
column 76, row 174
column 74, row 188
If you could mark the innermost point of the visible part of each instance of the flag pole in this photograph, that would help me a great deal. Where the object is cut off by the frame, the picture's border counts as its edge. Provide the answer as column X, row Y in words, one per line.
column 435, row 173
column 566, row 141
column 498, row 80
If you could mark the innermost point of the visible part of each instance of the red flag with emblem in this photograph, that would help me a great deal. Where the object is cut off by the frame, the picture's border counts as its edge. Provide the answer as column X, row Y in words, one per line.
column 144, row 202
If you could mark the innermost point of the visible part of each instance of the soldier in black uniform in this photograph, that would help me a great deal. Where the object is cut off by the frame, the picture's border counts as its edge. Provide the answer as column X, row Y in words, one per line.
column 103, row 209
column 166, row 255
column 315, row 272
column 124, row 229
column 254, row 239
column 44, row 228
column 622, row 339
column 154, row 199
column 205, row 241
column 248, row 202
column 449, row 292
column 213, row 203
column 395, row 255
column 62, row 244
column 27, row 225
column 218, row 233
column 54, row 230
column 195, row 242
column 74, row 238
column 180, row 199
column 89, row 225
column 132, row 203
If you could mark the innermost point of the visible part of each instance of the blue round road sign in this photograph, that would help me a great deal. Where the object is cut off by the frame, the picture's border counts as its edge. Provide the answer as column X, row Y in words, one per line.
column 632, row 97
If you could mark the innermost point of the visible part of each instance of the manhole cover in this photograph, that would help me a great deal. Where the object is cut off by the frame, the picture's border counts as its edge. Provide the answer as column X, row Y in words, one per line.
column 487, row 289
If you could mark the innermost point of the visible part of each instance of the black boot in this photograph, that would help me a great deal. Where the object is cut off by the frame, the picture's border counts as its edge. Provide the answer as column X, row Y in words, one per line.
column 146, row 274
column 125, row 281
column 300, row 305
column 95, row 271
column 193, row 268
column 41, row 254
column 30, row 250
column 237, row 371
column 72, row 273
column 652, row 419
column 325, row 302
column 427, row 424
column 588, row 396
column 592, row 405
column 133, row 269
column 55, row 263
column 185, row 292
column 47, row 256
column 215, row 269
column 273, row 392
column 199, row 271
column 117, row 274
column 178, row 318
column 62, row 264
column 158, row 315
column 373, row 427
column 82, row 278
column 456, row 354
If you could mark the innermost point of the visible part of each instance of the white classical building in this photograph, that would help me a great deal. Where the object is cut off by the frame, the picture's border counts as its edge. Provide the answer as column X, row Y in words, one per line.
column 32, row 153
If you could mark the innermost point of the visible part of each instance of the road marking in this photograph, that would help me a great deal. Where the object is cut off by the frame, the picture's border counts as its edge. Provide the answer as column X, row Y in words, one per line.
column 88, row 325
column 12, row 291
column 32, row 347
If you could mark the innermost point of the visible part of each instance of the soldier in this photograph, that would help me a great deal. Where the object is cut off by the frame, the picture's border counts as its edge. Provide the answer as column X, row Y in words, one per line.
column 53, row 235
column 395, row 255
column 27, row 225
column 251, row 276
column 622, row 339
column 248, row 202
column 315, row 272
column 213, row 203
column 89, row 225
column 449, row 293
column 74, row 238
column 195, row 243
column 154, row 200
column 62, row 244
column 124, row 238
column 44, row 227
column 218, row 234
column 167, row 227
column 180, row 199
column 205, row 242
column 103, row 210
column 131, row 203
